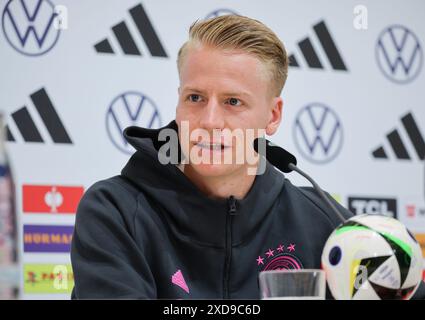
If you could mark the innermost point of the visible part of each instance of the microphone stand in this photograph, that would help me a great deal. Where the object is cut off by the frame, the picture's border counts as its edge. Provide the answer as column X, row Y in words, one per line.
column 319, row 190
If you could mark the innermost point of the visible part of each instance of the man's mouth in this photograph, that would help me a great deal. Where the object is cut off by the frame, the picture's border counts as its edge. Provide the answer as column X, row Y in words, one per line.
column 211, row 146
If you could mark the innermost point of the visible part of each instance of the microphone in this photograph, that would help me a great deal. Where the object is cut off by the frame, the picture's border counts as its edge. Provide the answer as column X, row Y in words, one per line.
column 286, row 162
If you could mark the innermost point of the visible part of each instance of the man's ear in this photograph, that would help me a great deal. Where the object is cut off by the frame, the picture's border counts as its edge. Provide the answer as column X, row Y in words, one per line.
column 275, row 116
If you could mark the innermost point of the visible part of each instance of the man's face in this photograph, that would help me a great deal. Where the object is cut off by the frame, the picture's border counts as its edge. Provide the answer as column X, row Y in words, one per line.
column 221, row 91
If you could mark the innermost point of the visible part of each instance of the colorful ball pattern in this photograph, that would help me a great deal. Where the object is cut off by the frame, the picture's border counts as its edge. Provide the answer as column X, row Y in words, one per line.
column 372, row 257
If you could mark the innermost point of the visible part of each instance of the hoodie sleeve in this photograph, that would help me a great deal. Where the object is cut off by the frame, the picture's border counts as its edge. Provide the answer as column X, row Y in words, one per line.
column 106, row 261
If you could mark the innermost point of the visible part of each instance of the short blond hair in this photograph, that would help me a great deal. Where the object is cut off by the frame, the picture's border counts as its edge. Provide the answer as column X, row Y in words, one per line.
column 234, row 32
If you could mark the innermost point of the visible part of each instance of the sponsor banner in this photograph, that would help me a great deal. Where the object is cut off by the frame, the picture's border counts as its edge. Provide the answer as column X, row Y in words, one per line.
column 42, row 238
column 48, row 278
column 421, row 239
column 366, row 205
column 337, row 197
column 51, row 198
column 414, row 211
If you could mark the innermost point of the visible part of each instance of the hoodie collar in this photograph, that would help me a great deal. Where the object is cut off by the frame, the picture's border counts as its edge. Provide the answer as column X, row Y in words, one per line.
column 189, row 212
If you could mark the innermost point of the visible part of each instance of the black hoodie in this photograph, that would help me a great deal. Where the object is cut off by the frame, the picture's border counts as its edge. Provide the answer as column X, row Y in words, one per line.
column 151, row 233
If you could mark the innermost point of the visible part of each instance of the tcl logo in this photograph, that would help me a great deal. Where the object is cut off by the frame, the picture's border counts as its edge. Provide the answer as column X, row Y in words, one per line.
column 382, row 206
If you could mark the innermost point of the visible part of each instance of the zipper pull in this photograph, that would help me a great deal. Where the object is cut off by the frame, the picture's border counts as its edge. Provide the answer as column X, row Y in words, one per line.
column 232, row 205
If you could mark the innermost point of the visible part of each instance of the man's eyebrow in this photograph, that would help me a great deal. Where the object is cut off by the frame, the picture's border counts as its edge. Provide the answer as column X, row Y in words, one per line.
column 227, row 94
column 237, row 93
column 192, row 89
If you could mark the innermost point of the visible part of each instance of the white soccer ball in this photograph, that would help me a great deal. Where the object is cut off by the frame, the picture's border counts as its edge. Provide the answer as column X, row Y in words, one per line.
column 372, row 257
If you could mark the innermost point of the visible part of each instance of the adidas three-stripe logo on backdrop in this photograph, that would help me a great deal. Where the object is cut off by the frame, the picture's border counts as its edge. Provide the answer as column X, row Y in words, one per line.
column 310, row 54
column 127, row 41
column 30, row 130
column 396, row 143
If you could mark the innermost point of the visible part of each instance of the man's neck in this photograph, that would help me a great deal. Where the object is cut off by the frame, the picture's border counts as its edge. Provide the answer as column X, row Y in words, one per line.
column 236, row 184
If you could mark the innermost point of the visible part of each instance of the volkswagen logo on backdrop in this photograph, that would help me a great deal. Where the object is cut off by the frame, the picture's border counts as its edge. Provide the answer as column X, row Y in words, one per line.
column 130, row 108
column 220, row 12
column 29, row 26
column 399, row 54
column 318, row 133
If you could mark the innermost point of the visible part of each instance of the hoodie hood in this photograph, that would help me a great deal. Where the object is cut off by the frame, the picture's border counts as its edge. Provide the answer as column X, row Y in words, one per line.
column 190, row 213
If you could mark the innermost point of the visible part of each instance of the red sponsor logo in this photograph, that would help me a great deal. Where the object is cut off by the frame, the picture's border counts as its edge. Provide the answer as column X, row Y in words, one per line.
column 51, row 199
column 410, row 210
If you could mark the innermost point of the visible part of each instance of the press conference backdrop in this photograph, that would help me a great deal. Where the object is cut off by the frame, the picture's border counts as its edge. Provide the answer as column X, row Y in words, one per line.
column 74, row 74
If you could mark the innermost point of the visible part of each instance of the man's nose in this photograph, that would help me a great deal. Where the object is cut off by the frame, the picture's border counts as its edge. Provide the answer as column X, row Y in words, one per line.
column 212, row 116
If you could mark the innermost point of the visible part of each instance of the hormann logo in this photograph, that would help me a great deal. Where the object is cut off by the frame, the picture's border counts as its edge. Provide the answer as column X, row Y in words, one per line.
column 126, row 40
column 47, row 238
column 366, row 205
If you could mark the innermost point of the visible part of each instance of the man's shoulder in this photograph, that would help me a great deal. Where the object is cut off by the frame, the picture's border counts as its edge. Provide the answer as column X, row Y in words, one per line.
column 115, row 185
column 115, row 192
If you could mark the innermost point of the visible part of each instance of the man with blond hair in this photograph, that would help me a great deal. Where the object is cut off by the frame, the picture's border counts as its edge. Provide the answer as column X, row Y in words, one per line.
column 192, row 215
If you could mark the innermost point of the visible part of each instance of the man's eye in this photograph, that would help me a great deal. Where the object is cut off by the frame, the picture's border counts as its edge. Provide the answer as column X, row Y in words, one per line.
column 194, row 97
column 234, row 102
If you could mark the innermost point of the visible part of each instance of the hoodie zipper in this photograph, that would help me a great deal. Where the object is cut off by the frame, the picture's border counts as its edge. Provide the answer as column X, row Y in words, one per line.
column 232, row 211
